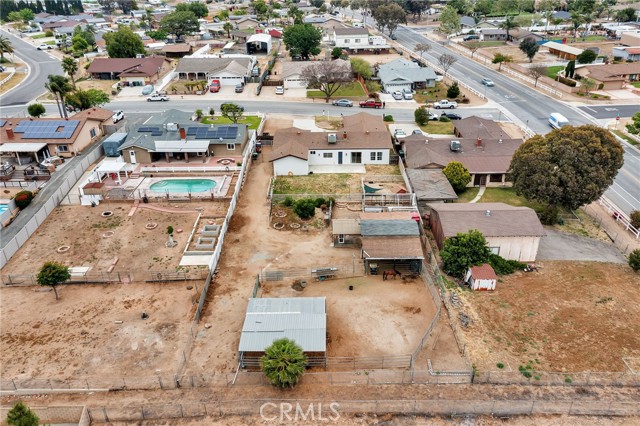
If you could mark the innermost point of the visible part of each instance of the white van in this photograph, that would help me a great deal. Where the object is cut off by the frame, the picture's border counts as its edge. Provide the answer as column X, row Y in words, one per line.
column 358, row 25
column 557, row 120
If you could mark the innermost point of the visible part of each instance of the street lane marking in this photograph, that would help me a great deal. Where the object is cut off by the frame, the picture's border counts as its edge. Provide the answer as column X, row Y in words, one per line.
column 591, row 109
column 611, row 109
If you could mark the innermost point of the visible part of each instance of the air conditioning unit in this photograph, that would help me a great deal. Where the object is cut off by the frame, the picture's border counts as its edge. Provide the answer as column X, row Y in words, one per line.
column 332, row 138
column 455, row 146
column 172, row 127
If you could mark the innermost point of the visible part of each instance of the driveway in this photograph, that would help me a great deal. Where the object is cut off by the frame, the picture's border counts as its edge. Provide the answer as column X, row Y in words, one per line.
column 561, row 246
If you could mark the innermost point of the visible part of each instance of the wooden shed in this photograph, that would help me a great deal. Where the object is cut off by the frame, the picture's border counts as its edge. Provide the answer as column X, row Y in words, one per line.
column 481, row 278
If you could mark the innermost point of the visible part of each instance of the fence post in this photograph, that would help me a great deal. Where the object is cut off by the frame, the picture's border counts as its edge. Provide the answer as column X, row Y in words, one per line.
column 142, row 411
column 106, row 416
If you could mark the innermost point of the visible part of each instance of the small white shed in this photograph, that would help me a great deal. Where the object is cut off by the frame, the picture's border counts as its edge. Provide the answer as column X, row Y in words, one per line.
column 481, row 277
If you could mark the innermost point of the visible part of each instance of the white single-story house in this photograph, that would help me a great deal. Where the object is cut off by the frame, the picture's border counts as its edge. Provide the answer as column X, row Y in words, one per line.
column 404, row 75
column 364, row 139
column 481, row 277
column 230, row 71
column 292, row 74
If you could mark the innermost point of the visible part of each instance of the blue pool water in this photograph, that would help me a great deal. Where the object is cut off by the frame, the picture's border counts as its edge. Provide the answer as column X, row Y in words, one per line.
column 3, row 208
column 183, row 185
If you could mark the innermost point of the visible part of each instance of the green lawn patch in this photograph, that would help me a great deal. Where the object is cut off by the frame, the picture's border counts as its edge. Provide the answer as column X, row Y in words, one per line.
column 625, row 137
column 491, row 43
column 37, row 36
column 636, row 84
column 438, row 128
column 431, row 94
column 593, row 38
column 353, row 89
column 508, row 196
column 325, row 183
column 252, row 120
column 468, row 195
column 552, row 71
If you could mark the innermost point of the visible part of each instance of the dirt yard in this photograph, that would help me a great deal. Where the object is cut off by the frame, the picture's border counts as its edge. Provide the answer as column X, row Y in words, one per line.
column 569, row 316
column 78, row 337
column 84, row 230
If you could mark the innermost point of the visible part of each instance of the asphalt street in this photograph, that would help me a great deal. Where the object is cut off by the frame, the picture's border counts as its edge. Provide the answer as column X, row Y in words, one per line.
column 610, row 111
column 40, row 64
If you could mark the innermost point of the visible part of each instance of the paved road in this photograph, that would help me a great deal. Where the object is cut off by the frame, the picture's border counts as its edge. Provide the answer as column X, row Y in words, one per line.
column 41, row 65
column 610, row 111
column 624, row 192
column 562, row 246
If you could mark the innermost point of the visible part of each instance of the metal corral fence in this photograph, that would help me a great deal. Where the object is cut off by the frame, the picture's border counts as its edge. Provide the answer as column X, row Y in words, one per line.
column 545, row 378
column 320, row 273
column 321, row 410
column 24, row 280
column 76, row 414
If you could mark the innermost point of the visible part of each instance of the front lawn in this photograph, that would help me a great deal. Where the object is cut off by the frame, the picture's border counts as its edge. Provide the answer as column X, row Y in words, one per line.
column 438, row 128
column 252, row 120
column 491, row 43
column 431, row 94
column 508, row 196
column 636, row 84
column 468, row 195
column 37, row 36
column 353, row 89
column 553, row 71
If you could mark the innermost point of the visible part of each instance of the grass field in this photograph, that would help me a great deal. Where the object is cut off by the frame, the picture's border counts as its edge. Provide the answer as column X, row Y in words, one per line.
column 438, row 128
column 552, row 71
column 430, row 94
column 252, row 120
column 338, row 183
column 353, row 89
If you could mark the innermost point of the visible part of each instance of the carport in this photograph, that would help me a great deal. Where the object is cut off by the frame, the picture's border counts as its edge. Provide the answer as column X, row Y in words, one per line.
column 398, row 253
column 259, row 42
column 31, row 149
column 113, row 170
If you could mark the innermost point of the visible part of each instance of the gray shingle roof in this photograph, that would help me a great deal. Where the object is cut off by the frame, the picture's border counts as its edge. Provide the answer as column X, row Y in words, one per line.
column 379, row 228
column 351, row 31
column 212, row 65
column 430, row 185
column 401, row 69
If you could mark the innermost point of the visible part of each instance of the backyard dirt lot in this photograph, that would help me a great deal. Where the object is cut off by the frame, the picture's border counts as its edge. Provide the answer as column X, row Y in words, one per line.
column 569, row 316
column 78, row 337
column 83, row 228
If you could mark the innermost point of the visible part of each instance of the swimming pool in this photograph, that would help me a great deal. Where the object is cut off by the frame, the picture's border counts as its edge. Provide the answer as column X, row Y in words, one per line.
column 183, row 185
column 3, row 208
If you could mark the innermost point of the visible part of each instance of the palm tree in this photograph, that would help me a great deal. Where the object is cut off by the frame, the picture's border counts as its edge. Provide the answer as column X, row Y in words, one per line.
column 509, row 24
column 70, row 66
column 576, row 21
column 60, row 87
column 5, row 47
column 283, row 363
column 228, row 26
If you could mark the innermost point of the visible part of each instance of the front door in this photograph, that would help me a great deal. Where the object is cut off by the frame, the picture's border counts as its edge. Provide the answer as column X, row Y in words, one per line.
column 479, row 180
column 340, row 157
column 132, row 157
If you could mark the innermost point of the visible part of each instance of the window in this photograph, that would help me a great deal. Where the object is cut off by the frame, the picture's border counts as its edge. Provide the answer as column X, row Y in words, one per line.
column 356, row 157
column 346, row 40
column 376, row 156
column 92, row 132
column 495, row 178
column 63, row 148
column 357, row 40
column 495, row 250
column 231, row 146
column 312, row 152
column 340, row 238
column 327, row 155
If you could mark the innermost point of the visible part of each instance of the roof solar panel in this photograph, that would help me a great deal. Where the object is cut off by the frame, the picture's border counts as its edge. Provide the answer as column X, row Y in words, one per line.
column 2, row 122
column 191, row 131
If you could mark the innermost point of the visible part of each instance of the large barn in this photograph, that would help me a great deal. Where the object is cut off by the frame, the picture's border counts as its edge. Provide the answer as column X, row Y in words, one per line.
column 301, row 319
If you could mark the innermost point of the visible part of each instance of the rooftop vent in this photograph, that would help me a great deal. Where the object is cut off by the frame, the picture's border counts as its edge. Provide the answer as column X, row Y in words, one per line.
column 332, row 138
column 172, row 127
column 455, row 146
column 487, row 213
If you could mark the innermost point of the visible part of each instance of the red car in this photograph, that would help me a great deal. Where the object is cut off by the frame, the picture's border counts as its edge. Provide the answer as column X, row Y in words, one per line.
column 215, row 86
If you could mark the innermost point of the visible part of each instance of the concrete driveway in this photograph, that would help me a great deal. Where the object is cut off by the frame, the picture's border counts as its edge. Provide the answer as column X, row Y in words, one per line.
column 562, row 246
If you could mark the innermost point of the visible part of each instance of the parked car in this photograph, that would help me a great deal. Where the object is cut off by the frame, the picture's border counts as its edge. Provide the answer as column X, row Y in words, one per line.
column 407, row 95
column 394, row 37
column 371, row 103
column 418, row 132
column 471, row 37
column 399, row 134
column 397, row 95
column 239, row 88
column 343, row 103
column 451, row 116
column 147, row 90
column 157, row 98
column 279, row 90
column 445, row 103
column 2, row 69
column 45, row 47
column 231, row 103
column 117, row 116
column 488, row 82
column 215, row 86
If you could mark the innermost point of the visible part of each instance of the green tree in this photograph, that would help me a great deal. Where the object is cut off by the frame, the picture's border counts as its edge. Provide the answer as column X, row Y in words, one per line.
column 336, row 52
column 302, row 40
column 85, row 99
column 462, row 251
column 361, row 67
column 21, row 415
column 500, row 59
column 634, row 126
column 328, row 76
column 462, row 7
column 449, row 21
column 199, row 9
column 79, row 43
column 421, row 115
column 627, row 14
column 27, row 15
column 59, row 86
column 587, row 56
column 635, row 219
column 156, row 35
column 453, row 91
column 634, row 260
column 283, row 363
column 570, row 69
column 14, row 16
column 70, row 66
column 51, row 274
column 457, row 175
column 577, row 19
column 389, row 16
column 5, row 47
column 587, row 84
column 296, row 14
column 232, row 111
column 36, row 110
column 123, row 43
column 568, row 167
column 529, row 47
column 305, row 208
column 228, row 27
column 180, row 24
column 509, row 24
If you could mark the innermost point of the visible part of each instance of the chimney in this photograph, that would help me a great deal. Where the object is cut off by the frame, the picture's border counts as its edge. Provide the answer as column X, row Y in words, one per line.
column 366, row 132
column 344, row 134
column 183, row 134
column 479, row 142
column 298, row 132
column 9, row 133
column 487, row 213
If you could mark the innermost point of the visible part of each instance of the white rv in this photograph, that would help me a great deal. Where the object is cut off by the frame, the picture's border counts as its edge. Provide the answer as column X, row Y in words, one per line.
column 557, row 120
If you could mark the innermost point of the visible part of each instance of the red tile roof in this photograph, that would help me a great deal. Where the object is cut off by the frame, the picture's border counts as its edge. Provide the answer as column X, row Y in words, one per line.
column 483, row 272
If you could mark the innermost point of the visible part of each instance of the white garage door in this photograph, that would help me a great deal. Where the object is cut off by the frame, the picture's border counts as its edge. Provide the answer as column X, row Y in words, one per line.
column 228, row 81
column 295, row 83
column 390, row 88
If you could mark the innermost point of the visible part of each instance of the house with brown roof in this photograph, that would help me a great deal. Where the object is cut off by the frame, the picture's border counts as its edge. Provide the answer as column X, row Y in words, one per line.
column 511, row 232
column 611, row 76
column 133, row 71
column 363, row 139
column 39, row 138
column 486, row 159
column 177, row 50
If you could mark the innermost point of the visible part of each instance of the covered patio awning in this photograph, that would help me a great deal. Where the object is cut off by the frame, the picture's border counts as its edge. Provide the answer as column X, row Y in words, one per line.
column 389, row 248
column 111, row 167
column 182, row 146
column 21, row 147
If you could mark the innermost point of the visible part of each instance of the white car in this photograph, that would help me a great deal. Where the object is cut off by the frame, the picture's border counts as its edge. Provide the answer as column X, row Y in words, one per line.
column 397, row 96
column 45, row 47
column 407, row 95
column 399, row 134
column 157, row 98
column 119, row 115
column 279, row 90
column 488, row 82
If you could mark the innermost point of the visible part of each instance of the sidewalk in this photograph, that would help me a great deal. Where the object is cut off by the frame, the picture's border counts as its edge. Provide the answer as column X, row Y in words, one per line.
column 622, row 239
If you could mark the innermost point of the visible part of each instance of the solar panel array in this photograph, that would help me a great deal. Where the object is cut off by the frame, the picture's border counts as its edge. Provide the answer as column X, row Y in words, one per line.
column 224, row 132
column 155, row 131
column 54, row 129
column 2, row 122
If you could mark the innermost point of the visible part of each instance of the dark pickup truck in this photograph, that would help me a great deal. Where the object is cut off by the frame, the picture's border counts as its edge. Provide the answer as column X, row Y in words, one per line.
column 371, row 104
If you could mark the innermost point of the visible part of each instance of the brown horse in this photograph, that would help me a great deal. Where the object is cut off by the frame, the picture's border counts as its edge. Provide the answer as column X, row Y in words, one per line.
column 390, row 273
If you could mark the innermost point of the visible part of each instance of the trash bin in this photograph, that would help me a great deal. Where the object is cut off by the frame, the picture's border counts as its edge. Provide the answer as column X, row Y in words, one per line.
column 373, row 268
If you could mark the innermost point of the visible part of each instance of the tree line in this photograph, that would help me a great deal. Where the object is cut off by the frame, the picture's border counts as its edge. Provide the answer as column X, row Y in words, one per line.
column 53, row 7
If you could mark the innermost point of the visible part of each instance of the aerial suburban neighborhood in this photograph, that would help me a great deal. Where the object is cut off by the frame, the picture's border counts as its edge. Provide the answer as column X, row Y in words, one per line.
column 356, row 212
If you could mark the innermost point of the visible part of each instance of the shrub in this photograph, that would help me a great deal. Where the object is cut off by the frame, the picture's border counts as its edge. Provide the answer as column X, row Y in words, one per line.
column 503, row 266
column 336, row 53
column 388, row 118
column 23, row 199
column 500, row 365
column 465, row 100
column 288, row 201
column 453, row 91
column 444, row 119
column 320, row 201
column 549, row 215
column 634, row 260
column 635, row 219
column 212, row 111
column 305, row 208
column 48, row 33
column 566, row 81
column 421, row 116
column 457, row 175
